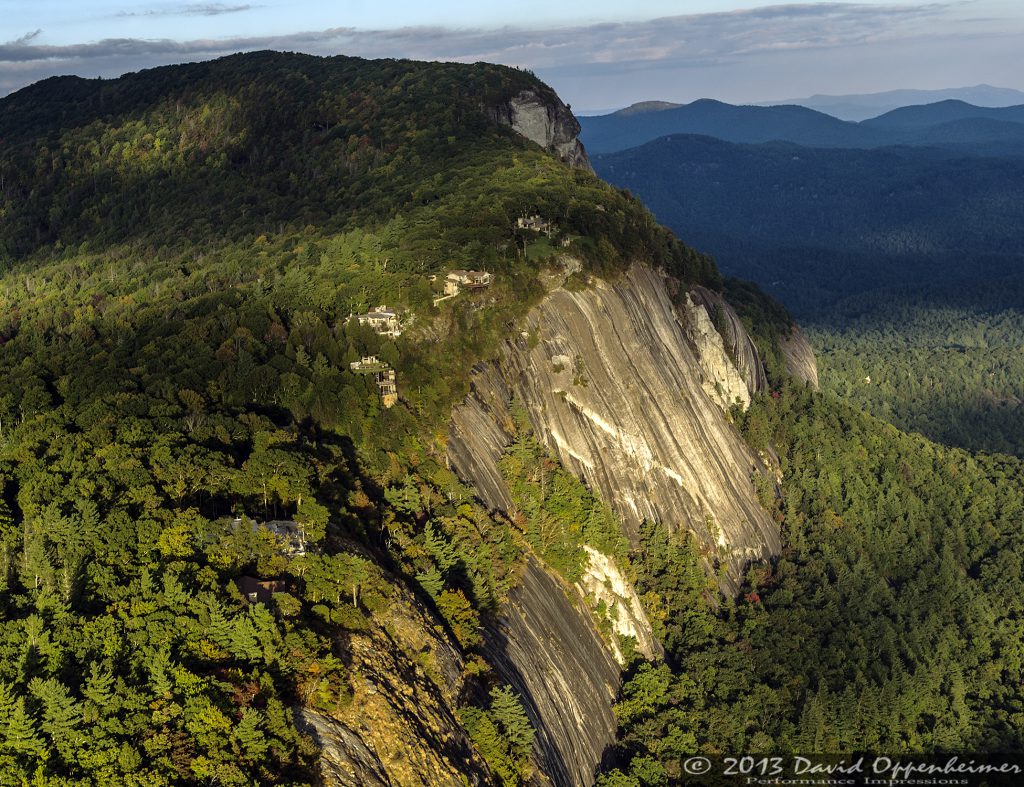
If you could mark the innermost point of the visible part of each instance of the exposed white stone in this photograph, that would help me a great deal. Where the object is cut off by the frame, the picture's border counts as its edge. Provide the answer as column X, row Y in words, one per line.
column 604, row 582
column 547, row 122
column 721, row 381
column 642, row 432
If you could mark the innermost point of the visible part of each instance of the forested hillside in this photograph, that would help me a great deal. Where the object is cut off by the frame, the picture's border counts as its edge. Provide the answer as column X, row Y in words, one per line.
column 945, row 362
column 214, row 528
column 182, row 248
column 889, row 623
column 814, row 226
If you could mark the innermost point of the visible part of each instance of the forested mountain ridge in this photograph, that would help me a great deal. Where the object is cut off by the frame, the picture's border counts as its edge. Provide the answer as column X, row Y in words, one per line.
column 815, row 225
column 183, row 418
column 183, row 249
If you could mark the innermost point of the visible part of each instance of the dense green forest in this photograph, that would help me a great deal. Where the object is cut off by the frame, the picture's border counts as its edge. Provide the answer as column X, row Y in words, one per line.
column 181, row 251
column 890, row 623
column 949, row 365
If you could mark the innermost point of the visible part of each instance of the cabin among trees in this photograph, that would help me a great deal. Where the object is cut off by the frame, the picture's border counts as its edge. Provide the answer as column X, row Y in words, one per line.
column 535, row 224
column 383, row 320
column 383, row 374
column 260, row 591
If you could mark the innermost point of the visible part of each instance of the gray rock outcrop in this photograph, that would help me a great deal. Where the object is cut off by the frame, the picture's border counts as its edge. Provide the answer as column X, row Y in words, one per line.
column 401, row 725
column 548, row 649
column 548, row 122
column 737, row 343
column 799, row 357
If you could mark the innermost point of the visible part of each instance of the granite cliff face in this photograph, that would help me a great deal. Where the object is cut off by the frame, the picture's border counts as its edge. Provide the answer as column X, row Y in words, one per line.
column 545, row 645
column 799, row 357
column 738, row 346
column 615, row 389
column 631, row 393
column 548, row 122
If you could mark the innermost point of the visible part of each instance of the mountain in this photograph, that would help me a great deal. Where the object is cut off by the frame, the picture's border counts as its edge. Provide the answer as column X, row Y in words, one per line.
column 864, row 106
column 957, row 126
column 352, row 431
column 645, row 106
column 942, row 112
column 312, row 587
column 877, row 251
column 626, row 129
column 815, row 225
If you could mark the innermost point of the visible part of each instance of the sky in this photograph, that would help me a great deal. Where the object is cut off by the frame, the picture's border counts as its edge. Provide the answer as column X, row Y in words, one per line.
column 597, row 54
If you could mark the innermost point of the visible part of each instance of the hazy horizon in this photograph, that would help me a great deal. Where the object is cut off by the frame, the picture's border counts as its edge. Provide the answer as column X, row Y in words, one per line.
column 596, row 55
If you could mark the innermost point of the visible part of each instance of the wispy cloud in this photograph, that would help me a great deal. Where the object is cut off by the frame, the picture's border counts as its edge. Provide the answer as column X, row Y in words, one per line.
column 195, row 9
column 676, row 42
column 25, row 39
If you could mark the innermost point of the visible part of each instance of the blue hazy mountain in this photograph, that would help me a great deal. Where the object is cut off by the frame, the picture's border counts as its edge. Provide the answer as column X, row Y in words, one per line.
column 965, row 127
column 927, row 115
column 816, row 224
column 868, row 105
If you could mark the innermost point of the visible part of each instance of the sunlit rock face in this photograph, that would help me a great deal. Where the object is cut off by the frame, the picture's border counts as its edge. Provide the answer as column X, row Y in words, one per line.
column 615, row 388
column 603, row 582
column 739, row 348
column 549, row 123
column 401, row 726
column 720, row 378
column 619, row 384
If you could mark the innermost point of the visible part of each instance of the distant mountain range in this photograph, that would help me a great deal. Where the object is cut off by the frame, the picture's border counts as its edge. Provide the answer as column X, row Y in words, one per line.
column 949, row 124
column 868, row 105
column 814, row 225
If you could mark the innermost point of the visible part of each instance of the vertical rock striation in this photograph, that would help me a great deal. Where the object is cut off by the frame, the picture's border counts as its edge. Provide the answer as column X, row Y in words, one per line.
column 549, row 651
column 401, row 726
column 799, row 357
column 604, row 583
column 614, row 389
column 631, row 395
column 737, row 343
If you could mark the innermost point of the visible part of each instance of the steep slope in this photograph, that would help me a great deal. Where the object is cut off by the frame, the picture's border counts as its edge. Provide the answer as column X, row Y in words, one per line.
column 401, row 725
column 545, row 121
column 614, row 388
column 799, row 357
column 627, row 391
column 545, row 646
column 225, row 551
column 724, row 323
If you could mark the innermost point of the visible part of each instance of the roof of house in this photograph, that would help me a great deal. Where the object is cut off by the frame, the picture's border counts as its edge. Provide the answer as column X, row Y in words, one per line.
column 260, row 590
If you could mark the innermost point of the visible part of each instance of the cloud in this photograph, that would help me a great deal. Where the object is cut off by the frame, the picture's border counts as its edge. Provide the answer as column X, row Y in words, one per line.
column 674, row 43
column 196, row 9
column 25, row 39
